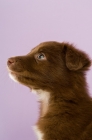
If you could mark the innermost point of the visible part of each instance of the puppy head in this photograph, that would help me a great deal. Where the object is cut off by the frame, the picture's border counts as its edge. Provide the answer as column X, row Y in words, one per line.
column 47, row 65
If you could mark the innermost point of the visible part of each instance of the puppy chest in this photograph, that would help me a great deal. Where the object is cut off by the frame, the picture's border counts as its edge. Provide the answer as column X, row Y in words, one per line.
column 38, row 133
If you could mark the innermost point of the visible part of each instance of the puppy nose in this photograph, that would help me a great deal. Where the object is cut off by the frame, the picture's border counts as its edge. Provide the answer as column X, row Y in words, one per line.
column 10, row 61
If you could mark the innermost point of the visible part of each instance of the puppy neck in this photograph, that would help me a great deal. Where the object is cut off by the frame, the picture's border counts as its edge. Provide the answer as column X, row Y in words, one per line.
column 43, row 98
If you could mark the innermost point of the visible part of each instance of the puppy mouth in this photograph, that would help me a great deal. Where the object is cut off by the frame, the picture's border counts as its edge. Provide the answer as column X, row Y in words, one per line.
column 17, row 75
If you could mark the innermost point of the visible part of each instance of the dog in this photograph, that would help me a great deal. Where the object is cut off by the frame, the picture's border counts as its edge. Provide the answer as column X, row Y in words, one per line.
column 56, row 72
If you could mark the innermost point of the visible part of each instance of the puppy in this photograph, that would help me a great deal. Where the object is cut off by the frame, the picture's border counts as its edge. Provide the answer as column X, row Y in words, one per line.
column 56, row 71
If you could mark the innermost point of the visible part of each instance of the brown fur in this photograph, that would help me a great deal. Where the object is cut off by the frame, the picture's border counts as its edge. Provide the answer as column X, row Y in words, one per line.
column 62, row 74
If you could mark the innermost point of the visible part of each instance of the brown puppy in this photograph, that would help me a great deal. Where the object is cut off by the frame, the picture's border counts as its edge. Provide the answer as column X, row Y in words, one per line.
column 56, row 71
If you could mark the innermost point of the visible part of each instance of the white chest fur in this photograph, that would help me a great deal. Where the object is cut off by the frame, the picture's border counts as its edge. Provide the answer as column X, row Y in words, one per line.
column 44, row 97
column 38, row 133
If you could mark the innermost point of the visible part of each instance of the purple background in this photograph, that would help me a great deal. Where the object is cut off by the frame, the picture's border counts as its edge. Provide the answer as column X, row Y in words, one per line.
column 23, row 25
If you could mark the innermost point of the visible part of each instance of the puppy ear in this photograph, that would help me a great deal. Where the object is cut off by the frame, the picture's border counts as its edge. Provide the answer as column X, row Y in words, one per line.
column 75, row 59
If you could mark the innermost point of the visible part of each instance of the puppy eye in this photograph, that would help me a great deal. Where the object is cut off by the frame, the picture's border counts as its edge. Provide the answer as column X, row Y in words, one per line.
column 41, row 56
